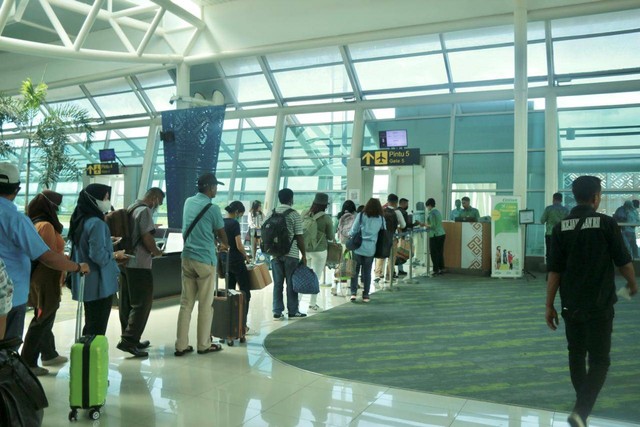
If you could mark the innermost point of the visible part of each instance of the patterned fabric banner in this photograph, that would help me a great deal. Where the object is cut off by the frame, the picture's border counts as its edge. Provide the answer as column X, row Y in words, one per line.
column 471, row 242
column 191, row 144
column 506, row 237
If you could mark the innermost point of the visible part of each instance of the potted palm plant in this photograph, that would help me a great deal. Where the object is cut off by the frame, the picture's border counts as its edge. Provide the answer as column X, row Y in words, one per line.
column 47, row 134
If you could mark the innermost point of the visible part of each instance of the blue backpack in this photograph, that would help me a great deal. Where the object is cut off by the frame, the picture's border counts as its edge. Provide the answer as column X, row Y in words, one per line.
column 305, row 281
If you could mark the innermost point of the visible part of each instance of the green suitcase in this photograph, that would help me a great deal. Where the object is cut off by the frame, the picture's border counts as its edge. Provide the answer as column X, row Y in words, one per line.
column 89, row 369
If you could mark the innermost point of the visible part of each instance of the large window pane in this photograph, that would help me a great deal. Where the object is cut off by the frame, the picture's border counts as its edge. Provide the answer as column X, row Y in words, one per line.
column 313, row 81
column 401, row 72
column 123, row 104
column 309, row 57
column 597, row 54
column 483, row 64
column 251, row 88
column 394, row 47
column 479, row 37
column 490, row 168
column 594, row 24
column 238, row 66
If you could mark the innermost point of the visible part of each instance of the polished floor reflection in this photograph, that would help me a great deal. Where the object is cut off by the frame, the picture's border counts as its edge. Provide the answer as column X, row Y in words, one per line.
column 244, row 386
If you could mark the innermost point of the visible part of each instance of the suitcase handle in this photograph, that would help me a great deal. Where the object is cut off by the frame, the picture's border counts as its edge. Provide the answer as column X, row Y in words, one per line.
column 79, row 309
column 226, row 273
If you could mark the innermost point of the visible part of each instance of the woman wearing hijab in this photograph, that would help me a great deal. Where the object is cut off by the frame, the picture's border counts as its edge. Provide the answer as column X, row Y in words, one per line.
column 238, row 257
column 44, row 292
column 345, row 220
column 92, row 244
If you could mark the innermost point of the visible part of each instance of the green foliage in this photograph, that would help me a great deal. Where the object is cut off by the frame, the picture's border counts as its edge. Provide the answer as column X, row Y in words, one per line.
column 50, row 137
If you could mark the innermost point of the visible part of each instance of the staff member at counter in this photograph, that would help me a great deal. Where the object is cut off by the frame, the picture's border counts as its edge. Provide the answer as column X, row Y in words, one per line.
column 468, row 211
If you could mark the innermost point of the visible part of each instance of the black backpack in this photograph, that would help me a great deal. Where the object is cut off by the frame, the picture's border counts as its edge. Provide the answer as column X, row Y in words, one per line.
column 391, row 220
column 275, row 238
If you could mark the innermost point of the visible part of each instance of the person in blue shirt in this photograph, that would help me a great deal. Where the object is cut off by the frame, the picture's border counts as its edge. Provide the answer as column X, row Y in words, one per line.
column 369, row 223
column 199, row 263
column 91, row 243
column 21, row 243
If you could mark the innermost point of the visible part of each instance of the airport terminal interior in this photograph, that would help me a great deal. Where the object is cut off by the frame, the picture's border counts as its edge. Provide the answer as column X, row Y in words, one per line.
column 494, row 98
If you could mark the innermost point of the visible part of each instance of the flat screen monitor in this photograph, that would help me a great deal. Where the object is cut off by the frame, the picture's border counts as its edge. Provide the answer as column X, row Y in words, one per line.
column 107, row 155
column 393, row 138
column 174, row 243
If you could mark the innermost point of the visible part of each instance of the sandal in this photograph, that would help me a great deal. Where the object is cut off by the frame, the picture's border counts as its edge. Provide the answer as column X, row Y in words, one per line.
column 213, row 348
column 353, row 298
column 179, row 353
column 365, row 299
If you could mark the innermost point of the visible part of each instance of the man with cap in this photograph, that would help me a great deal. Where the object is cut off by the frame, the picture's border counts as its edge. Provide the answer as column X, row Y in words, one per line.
column 202, row 225
column 21, row 243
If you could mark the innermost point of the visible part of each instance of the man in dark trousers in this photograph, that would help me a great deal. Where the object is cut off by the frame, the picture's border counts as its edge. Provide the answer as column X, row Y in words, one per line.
column 136, row 286
column 584, row 248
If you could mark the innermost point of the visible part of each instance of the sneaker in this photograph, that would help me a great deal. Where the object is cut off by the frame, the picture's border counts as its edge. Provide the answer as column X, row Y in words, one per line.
column 38, row 371
column 278, row 316
column 314, row 307
column 575, row 420
column 58, row 360
column 377, row 280
column 334, row 292
column 402, row 273
column 297, row 315
column 144, row 344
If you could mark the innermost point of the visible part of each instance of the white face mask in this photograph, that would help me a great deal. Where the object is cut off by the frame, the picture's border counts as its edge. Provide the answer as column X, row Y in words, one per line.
column 103, row 205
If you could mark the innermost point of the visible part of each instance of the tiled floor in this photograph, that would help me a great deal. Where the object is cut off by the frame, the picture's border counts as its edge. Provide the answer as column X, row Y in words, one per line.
column 244, row 386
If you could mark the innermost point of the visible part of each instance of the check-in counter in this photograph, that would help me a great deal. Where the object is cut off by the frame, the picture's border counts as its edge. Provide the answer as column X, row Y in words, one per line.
column 467, row 247
column 166, row 272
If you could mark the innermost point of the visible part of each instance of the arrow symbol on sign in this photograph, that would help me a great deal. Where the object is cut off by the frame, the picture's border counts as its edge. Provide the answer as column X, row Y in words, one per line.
column 368, row 158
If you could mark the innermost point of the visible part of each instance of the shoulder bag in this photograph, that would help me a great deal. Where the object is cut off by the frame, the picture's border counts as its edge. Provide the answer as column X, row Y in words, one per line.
column 195, row 221
column 355, row 241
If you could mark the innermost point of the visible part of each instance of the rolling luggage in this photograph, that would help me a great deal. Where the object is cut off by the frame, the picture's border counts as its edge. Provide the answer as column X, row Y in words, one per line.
column 89, row 368
column 228, row 311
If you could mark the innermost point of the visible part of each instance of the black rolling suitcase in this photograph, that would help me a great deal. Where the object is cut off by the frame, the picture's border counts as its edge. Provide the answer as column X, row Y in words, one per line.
column 228, row 310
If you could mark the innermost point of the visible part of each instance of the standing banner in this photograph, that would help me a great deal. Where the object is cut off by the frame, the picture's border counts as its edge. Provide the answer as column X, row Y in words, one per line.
column 191, row 139
column 506, row 237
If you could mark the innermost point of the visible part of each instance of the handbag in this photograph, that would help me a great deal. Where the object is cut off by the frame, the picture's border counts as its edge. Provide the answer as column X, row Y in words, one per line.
column 383, row 244
column 305, row 280
column 347, row 266
column 403, row 252
column 22, row 397
column 355, row 241
column 334, row 254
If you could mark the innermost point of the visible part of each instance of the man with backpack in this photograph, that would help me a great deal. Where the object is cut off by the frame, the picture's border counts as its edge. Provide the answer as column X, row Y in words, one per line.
column 282, row 238
column 394, row 220
column 136, row 284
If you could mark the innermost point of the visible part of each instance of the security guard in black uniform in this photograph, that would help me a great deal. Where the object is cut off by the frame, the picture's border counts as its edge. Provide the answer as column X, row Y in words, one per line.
column 584, row 248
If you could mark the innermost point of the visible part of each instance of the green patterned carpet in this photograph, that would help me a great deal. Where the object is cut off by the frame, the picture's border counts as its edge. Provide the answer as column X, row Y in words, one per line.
column 471, row 337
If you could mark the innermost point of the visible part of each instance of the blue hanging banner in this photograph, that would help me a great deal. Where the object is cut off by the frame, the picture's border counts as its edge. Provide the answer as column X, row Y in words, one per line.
column 191, row 140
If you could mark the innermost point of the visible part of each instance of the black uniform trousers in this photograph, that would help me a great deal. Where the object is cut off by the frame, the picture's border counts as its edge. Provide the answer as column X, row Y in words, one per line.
column 588, row 338
column 136, row 299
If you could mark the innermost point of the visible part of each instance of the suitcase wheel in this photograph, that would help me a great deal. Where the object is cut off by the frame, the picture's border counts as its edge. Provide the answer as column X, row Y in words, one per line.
column 73, row 415
column 243, row 339
column 230, row 343
column 94, row 413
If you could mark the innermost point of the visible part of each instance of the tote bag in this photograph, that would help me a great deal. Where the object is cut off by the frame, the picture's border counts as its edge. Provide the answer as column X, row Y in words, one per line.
column 305, row 280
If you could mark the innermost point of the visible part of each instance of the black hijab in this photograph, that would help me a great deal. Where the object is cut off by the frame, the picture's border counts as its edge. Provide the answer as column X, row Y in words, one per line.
column 44, row 206
column 86, row 208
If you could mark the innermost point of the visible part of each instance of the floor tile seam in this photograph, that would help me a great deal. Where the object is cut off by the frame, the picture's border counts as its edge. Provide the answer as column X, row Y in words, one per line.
column 418, row 405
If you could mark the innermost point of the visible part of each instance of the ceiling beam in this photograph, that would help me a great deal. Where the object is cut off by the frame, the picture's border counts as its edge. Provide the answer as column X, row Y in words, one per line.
column 88, row 23
column 5, row 9
column 181, row 13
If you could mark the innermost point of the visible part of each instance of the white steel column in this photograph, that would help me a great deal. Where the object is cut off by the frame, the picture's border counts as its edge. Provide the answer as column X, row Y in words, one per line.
column 551, row 178
column 183, row 84
column 354, row 170
column 234, row 161
column 149, row 160
column 275, row 164
column 5, row 8
column 520, row 108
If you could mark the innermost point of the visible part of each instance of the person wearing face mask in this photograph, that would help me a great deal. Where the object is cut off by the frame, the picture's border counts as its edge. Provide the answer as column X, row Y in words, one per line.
column 91, row 243
column 238, row 257
column 136, row 284
column 436, row 236
column 44, row 291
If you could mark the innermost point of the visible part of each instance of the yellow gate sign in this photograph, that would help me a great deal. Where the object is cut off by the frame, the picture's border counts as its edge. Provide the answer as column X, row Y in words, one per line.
column 94, row 169
column 402, row 157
